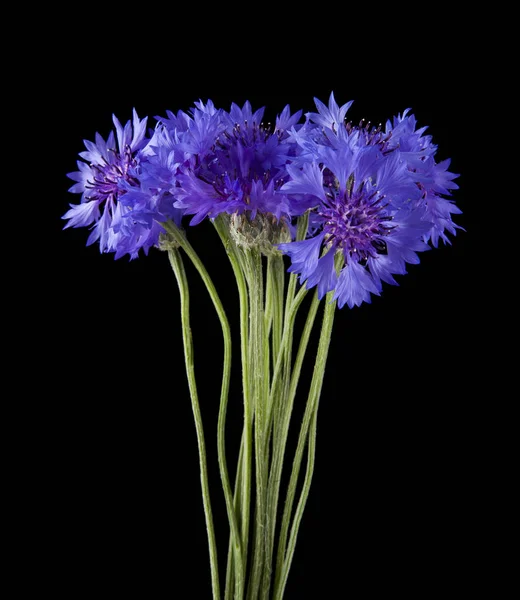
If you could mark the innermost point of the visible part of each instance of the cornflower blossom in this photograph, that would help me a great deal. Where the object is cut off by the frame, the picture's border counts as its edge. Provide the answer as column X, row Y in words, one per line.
column 239, row 168
column 377, row 202
column 106, row 173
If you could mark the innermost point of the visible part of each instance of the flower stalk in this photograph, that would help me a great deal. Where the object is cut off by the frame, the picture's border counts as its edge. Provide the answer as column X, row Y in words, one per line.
column 180, row 275
column 179, row 238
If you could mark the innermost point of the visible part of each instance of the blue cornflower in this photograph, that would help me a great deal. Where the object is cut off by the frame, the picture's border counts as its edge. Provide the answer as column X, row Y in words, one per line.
column 378, row 201
column 108, row 171
column 235, row 164
column 365, row 209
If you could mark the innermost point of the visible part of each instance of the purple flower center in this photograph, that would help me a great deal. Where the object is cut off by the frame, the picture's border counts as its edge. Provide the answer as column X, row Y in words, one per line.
column 356, row 222
column 107, row 177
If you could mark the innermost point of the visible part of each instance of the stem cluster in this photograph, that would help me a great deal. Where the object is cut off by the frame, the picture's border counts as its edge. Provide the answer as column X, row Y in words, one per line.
column 263, row 533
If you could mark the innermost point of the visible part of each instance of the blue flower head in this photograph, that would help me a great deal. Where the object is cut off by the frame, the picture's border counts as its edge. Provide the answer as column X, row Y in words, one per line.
column 377, row 202
column 108, row 172
column 126, row 185
column 234, row 163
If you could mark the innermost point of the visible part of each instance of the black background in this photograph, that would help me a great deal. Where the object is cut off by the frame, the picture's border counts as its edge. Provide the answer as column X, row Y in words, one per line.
column 396, row 490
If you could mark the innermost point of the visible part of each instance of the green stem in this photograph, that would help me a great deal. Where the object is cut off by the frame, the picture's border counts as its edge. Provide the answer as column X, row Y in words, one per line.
column 260, row 374
column 269, row 285
column 277, row 393
column 284, row 558
column 237, row 500
column 179, row 238
column 278, row 285
column 242, row 494
column 280, row 442
column 180, row 274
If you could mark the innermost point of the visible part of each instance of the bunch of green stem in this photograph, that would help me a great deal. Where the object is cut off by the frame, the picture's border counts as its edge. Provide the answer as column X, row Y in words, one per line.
column 258, row 564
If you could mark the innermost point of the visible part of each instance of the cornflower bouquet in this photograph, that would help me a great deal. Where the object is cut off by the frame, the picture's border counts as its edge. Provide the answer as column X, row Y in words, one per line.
column 313, row 203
